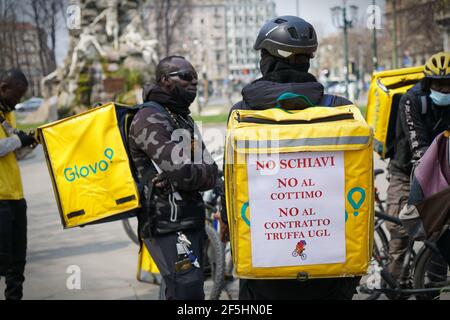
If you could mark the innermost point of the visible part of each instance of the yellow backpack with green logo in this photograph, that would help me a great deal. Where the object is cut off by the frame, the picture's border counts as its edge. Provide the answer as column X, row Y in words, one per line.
column 147, row 270
column 299, row 192
column 93, row 177
column 386, row 90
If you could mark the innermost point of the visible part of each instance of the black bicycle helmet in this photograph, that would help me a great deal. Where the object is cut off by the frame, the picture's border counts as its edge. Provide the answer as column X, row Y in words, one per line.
column 287, row 35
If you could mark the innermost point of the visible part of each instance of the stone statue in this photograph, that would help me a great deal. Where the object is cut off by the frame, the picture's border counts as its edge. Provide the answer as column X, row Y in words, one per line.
column 149, row 52
column 112, row 28
column 111, row 13
column 132, row 41
column 86, row 39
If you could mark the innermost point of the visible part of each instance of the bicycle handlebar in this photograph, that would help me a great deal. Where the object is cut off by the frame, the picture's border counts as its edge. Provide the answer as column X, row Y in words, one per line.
column 388, row 218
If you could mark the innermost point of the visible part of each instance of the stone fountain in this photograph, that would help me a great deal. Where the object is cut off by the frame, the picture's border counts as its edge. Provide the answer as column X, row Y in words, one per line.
column 108, row 57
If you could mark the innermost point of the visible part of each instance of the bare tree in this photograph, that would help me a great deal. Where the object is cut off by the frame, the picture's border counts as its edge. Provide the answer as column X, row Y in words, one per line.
column 168, row 17
column 46, row 16
column 13, row 51
column 28, row 32
column 417, row 31
column 7, row 26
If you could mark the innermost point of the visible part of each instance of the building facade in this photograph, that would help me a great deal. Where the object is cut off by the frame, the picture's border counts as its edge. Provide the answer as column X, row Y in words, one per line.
column 218, row 38
column 244, row 19
column 416, row 35
column 20, row 49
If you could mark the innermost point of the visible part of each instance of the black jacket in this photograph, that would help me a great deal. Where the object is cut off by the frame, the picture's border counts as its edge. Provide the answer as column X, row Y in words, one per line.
column 260, row 95
column 263, row 93
column 155, row 135
column 416, row 128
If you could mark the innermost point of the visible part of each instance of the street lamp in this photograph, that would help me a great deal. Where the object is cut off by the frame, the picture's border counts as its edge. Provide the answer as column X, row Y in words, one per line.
column 340, row 20
column 374, row 41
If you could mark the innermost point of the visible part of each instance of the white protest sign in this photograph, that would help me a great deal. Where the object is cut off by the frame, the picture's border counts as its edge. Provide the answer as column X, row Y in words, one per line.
column 297, row 208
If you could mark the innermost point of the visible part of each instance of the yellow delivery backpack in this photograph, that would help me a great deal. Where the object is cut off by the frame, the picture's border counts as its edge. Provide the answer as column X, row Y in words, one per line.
column 299, row 192
column 89, row 166
column 147, row 270
column 386, row 89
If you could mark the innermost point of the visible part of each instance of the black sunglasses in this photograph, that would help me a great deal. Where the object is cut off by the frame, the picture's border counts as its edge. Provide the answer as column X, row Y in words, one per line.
column 185, row 75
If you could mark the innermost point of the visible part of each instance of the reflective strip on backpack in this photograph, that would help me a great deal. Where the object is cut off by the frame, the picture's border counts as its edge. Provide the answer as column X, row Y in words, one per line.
column 424, row 104
column 255, row 144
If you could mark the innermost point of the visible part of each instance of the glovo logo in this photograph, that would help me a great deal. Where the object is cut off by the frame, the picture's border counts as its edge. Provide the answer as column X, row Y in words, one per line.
column 356, row 205
column 73, row 173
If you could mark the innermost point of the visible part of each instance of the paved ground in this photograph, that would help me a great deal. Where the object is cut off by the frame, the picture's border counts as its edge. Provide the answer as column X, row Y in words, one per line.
column 105, row 256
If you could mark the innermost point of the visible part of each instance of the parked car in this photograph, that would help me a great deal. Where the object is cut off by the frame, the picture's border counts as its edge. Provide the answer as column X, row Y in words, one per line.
column 339, row 89
column 31, row 104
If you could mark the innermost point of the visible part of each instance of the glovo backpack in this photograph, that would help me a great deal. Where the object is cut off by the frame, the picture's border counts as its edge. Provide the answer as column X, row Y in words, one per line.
column 147, row 270
column 299, row 192
column 386, row 90
column 94, row 180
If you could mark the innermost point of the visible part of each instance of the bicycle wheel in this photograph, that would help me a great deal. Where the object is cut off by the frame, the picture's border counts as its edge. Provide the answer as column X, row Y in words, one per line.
column 131, row 233
column 431, row 271
column 373, row 279
column 214, row 256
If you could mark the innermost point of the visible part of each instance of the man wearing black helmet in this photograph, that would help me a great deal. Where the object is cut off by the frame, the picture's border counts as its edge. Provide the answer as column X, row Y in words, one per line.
column 287, row 44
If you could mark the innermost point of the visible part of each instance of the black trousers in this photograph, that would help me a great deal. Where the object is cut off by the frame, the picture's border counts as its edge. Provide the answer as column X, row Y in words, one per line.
column 182, row 285
column 444, row 246
column 13, row 246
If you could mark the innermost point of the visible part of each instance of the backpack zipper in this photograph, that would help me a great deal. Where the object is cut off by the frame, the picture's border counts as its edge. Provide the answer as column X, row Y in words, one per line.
column 340, row 117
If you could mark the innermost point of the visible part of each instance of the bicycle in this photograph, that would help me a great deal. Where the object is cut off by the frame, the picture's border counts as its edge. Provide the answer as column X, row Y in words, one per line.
column 417, row 277
column 129, row 230
column 296, row 254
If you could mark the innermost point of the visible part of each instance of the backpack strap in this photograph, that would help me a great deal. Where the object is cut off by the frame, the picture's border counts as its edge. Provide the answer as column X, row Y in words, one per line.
column 159, row 107
column 418, row 93
column 328, row 100
column 147, row 176
column 151, row 104
column 424, row 103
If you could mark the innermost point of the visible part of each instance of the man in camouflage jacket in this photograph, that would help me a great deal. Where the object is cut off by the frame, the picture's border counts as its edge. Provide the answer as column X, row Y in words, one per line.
column 163, row 138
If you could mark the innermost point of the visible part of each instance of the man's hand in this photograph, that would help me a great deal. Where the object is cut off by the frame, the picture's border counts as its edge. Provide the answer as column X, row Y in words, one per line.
column 161, row 181
column 26, row 139
column 224, row 231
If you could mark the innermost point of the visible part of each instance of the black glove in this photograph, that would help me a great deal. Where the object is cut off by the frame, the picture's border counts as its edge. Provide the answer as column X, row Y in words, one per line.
column 162, row 184
column 26, row 139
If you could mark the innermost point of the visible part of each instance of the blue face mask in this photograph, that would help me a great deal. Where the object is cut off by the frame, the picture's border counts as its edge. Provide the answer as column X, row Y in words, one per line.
column 439, row 98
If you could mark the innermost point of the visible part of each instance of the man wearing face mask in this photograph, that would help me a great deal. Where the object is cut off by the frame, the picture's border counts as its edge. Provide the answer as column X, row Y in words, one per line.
column 287, row 45
column 13, row 207
column 424, row 112
column 167, row 150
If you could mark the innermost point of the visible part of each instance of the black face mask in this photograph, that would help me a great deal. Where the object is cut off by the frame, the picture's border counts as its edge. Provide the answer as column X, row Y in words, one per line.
column 178, row 99
column 183, row 96
column 270, row 64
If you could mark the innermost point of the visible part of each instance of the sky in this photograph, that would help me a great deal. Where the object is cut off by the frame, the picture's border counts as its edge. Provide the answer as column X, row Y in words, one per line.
column 317, row 12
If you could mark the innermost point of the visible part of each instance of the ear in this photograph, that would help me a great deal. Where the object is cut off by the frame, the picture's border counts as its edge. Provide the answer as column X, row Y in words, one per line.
column 167, row 83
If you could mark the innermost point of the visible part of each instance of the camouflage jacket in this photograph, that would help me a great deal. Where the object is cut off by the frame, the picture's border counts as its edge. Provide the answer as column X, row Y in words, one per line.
column 168, row 140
